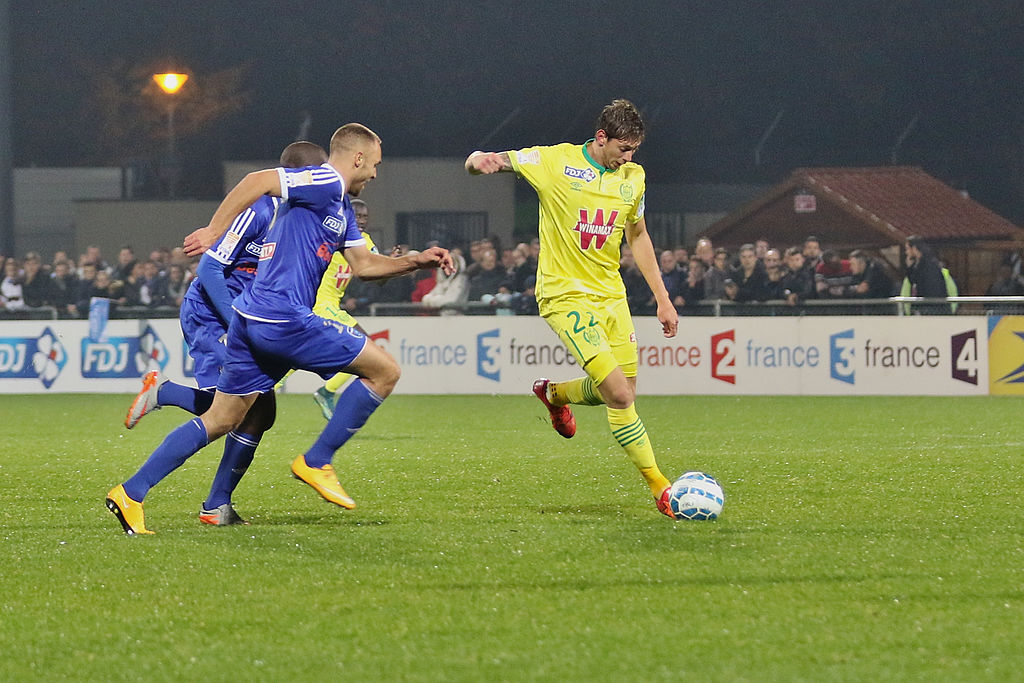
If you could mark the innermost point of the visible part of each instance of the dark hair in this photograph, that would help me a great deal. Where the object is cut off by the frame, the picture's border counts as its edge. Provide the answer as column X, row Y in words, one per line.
column 918, row 243
column 793, row 251
column 811, row 238
column 621, row 120
column 300, row 154
column 860, row 255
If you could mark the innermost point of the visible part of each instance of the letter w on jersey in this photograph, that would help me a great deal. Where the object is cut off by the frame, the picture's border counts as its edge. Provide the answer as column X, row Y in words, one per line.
column 596, row 230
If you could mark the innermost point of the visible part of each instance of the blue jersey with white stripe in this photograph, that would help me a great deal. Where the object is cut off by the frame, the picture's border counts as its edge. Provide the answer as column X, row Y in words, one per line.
column 238, row 250
column 316, row 219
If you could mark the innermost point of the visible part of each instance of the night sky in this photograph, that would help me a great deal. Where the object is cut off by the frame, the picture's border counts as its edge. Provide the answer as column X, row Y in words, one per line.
column 845, row 80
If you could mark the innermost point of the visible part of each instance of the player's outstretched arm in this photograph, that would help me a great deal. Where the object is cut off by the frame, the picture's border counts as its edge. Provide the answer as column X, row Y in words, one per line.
column 241, row 196
column 485, row 163
column 643, row 252
column 369, row 266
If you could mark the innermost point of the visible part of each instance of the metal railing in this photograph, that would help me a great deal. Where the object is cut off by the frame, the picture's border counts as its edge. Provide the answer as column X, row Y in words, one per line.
column 116, row 313
column 30, row 313
column 897, row 306
column 419, row 308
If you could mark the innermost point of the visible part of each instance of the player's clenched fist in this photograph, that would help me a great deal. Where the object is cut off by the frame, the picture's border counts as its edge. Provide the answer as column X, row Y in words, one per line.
column 436, row 257
column 484, row 163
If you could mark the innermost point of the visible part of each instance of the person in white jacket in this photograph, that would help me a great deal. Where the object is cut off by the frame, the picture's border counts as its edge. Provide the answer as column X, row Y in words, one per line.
column 449, row 289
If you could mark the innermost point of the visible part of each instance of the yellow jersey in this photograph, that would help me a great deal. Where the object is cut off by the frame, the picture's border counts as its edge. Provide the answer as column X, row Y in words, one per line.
column 337, row 276
column 584, row 209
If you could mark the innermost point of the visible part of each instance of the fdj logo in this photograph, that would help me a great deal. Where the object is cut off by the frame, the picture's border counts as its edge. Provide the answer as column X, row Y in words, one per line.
column 123, row 356
column 840, row 352
column 723, row 356
column 335, row 223
column 586, row 174
column 487, row 350
column 28, row 357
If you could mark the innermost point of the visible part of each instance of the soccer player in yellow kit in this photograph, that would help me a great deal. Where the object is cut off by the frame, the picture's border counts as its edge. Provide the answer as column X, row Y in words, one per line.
column 590, row 196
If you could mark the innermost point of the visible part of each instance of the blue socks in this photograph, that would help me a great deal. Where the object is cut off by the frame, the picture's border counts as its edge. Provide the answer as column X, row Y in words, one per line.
column 238, row 453
column 176, row 448
column 355, row 405
column 194, row 401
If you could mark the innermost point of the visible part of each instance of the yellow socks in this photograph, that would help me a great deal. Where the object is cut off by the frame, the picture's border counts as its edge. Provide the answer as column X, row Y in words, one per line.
column 333, row 385
column 337, row 382
column 580, row 391
column 628, row 429
column 280, row 383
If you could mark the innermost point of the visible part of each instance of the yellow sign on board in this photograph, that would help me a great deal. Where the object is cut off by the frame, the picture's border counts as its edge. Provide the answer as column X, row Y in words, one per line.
column 1006, row 355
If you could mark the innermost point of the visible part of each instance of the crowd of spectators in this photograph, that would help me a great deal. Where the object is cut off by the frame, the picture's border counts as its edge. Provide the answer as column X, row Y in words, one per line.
column 493, row 279
column 503, row 278
column 67, row 285
column 759, row 272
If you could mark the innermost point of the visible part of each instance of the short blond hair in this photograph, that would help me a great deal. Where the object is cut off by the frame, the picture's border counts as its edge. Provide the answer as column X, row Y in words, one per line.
column 353, row 136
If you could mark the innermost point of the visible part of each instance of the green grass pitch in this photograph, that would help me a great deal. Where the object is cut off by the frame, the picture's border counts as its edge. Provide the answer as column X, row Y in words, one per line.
column 862, row 539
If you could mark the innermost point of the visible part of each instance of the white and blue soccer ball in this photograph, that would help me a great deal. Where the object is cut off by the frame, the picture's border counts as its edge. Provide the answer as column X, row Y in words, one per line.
column 696, row 496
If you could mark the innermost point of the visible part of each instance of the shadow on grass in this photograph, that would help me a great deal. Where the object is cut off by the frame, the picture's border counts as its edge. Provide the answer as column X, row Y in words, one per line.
column 327, row 519
column 597, row 510
column 702, row 579
column 369, row 436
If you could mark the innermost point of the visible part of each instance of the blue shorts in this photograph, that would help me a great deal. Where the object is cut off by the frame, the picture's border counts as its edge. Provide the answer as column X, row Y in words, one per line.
column 204, row 333
column 259, row 354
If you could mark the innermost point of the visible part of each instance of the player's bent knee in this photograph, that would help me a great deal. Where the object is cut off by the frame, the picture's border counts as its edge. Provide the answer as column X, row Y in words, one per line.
column 619, row 399
column 218, row 425
column 617, row 391
column 226, row 413
column 383, row 377
column 389, row 377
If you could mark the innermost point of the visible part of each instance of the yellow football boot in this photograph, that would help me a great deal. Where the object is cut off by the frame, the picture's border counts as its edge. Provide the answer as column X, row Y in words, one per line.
column 324, row 481
column 127, row 511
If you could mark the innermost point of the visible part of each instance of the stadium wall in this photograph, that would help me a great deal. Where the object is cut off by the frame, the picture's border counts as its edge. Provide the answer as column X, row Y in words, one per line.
column 421, row 184
column 831, row 355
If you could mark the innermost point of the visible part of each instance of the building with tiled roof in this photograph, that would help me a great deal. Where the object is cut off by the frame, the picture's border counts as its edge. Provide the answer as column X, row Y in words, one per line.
column 877, row 209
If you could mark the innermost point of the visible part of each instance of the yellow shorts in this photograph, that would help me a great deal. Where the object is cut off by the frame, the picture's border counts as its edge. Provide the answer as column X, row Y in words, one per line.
column 331, row 311
column 588, row 325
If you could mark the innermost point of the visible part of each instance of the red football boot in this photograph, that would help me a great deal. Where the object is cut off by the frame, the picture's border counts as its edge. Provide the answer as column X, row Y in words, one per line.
column 663, row 505
column 562, row 418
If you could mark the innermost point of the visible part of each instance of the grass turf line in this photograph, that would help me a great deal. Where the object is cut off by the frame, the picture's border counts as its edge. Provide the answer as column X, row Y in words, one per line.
column 861, row 537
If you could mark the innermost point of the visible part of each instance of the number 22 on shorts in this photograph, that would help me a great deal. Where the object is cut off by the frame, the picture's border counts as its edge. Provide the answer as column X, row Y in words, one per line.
column 590, row 335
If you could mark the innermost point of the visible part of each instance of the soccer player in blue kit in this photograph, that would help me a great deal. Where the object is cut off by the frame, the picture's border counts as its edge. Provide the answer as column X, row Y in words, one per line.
column 274, row 328
column 224, row 271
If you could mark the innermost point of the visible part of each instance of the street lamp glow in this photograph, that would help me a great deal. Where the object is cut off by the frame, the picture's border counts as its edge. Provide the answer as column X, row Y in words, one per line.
column 170, row 83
